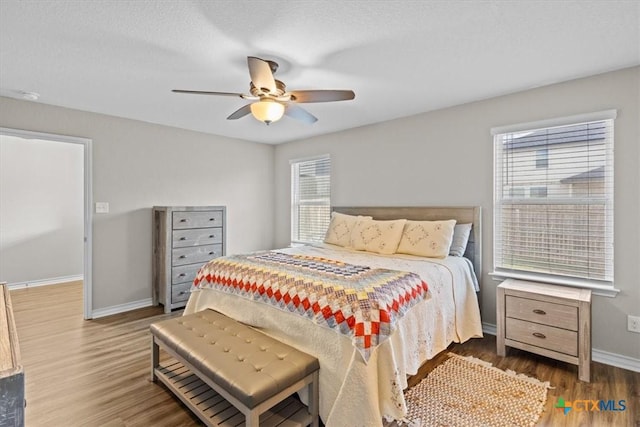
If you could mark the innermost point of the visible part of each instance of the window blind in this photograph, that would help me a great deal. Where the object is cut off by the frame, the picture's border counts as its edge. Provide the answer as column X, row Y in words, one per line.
column 311, row 199
column 553, row 201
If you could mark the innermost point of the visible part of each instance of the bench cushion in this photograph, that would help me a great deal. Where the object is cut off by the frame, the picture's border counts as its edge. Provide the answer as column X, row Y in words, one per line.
column 248, row 364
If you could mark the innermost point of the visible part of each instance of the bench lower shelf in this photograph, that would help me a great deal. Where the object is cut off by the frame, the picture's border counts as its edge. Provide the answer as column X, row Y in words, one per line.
column 214, row 410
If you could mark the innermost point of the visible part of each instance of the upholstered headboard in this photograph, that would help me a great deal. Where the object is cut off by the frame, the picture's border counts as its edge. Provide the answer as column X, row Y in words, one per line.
column 462, row 215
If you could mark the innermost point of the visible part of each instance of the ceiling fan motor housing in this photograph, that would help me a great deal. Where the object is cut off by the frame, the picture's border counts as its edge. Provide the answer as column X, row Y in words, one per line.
column 281, row 89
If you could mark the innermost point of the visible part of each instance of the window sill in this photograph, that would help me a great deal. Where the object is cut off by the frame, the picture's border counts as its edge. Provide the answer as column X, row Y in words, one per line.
column 601, row 290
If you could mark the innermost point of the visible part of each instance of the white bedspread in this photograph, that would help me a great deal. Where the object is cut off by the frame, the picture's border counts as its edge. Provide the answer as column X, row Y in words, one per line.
column 352, row 392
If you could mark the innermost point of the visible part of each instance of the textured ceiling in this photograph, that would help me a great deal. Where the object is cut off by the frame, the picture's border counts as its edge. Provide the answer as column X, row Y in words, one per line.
column 401, row 58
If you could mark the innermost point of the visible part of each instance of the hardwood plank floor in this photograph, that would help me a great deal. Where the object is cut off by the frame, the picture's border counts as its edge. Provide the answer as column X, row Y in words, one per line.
column 96, row 372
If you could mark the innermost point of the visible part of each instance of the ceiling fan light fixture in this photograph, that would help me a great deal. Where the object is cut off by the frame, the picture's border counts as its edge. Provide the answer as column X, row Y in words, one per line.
column 267, row 110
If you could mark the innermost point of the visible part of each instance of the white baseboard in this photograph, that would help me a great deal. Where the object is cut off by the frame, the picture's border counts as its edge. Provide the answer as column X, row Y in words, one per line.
column 121, row 308
column 600, row 356
column 44, row 282
column 613, row 359
column 488, row 328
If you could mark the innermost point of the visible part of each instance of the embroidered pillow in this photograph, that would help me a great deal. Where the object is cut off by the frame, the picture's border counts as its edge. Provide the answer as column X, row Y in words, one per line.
column 430, row 239
column 377, row 236
column 460, row 239
column 340, row 228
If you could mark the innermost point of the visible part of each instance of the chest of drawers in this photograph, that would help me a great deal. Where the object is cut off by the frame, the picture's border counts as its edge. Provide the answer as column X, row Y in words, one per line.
column 184, row 238
column 550, row 320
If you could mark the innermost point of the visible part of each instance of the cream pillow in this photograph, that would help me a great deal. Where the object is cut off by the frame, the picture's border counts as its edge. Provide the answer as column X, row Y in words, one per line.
column 340, row 228
column 427, row 238
column 377, row 236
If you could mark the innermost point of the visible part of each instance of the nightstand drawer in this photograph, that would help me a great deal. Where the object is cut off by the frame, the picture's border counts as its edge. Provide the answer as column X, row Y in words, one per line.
column 548, row 337
column 546, row 313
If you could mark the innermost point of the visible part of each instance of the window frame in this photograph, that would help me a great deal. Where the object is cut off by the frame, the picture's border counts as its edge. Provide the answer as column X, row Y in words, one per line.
column 601, row 287
column 295, row 197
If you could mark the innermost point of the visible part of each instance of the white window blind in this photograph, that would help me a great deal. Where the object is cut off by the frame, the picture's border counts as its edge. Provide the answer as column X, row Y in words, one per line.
column 310, row 199
column 553, row 201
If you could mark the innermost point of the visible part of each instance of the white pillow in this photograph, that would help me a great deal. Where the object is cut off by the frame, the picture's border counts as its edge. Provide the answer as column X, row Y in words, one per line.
column 460, row 239
column 377, row 236
column 427, row 238
column 340, row 228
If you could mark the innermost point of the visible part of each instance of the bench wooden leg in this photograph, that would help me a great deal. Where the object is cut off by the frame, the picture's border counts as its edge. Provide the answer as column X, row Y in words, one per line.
column 155, row 359
column 252, row 419
column 314, row 400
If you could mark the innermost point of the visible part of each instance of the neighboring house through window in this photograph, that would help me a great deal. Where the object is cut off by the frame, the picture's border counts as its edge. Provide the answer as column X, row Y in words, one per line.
column 553, row 200
column 310, row 199
column 542, row 158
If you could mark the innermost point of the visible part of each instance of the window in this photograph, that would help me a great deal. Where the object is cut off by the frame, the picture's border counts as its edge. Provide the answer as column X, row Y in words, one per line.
column 310, row 199
column 538, row 192
column 542, row 158
column 562, row 230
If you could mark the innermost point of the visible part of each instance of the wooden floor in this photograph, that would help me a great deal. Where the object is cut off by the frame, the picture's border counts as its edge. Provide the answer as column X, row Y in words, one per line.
column 96, row 372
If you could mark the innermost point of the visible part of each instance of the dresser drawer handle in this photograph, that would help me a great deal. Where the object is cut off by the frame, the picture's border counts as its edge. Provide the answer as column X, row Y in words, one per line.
column 538, row 311
column 182, row 256
column 212, row 253
column 184, row 220
column 182, row 292
column 539, row 335
column 183, row 238
column 212, row 219
column 211, row 236
column 181, row 275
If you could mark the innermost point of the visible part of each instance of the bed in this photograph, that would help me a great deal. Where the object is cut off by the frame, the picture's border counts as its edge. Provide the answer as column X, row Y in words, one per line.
column 362, row 380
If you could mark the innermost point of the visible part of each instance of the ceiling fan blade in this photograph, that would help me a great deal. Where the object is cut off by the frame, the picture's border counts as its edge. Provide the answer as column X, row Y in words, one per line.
column 321, row 95
column 300, row 113
column 202, row 92
column 240, row 112
column 261, row 74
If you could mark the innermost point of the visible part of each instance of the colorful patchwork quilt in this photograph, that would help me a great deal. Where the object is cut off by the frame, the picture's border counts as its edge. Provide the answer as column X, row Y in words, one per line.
column 360, row 302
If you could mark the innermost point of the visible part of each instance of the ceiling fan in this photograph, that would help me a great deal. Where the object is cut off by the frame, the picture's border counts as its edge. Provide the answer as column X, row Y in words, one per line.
column 270, row 97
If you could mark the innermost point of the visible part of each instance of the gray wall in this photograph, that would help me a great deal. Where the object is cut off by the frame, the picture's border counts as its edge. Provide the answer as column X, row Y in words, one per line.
column 41, row 210
column 445, row 157
column 137, row 165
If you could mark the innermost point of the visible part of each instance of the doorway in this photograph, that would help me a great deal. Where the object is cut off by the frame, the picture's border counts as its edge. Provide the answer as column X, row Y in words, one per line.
column 55, row 227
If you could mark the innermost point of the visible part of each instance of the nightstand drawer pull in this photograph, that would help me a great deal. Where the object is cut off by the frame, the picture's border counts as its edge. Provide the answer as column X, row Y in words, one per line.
column 538, row 311
column 182, row 292
column 181, row 275
column 212, row 219
column 538, row 335
column 183, row 238
column 182, row 256
column 184, row 220
column 212, row 253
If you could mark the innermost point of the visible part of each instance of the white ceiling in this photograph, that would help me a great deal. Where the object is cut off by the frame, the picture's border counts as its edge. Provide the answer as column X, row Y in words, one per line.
column 401, row 58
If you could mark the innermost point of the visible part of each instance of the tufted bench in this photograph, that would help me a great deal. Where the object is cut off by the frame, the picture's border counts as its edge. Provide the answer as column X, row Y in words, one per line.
column 222, row 366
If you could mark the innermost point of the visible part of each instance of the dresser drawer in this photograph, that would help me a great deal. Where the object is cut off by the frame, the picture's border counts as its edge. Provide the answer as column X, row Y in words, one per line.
column 184, row 273
column 196, row 237
column 199, row 219
column 195, row 254
column 555, row 339
column 546, row 313
column 180, row 292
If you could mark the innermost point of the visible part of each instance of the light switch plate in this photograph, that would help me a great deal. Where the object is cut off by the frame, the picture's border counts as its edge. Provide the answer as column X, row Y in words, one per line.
column 102, row 207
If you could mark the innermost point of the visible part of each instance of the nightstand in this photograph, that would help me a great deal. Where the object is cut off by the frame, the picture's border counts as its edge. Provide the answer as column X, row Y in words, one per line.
column 550, row 320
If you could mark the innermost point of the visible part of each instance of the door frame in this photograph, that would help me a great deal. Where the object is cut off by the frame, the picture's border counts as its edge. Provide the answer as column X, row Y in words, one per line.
column 88, row 203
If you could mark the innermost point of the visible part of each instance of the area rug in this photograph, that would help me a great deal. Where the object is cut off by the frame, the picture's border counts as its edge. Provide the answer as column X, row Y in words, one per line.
column 465, row 391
